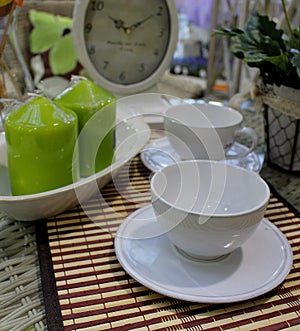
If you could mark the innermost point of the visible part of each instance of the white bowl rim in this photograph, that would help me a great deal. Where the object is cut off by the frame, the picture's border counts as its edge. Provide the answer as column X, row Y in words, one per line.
column 204, row 107
column 262, row 204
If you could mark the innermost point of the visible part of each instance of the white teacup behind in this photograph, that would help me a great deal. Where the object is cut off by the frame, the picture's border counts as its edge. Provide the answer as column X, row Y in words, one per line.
column 208, row 209
column 205, row 131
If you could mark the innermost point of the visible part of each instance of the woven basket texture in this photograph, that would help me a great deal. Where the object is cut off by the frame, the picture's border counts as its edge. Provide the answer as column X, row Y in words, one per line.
column 21, row 303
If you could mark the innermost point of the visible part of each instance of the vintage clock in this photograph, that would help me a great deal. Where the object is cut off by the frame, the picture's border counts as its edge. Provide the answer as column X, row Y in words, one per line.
column 125, row 45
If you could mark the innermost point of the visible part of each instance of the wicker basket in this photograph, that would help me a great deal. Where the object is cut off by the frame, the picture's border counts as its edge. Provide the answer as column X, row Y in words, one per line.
column 281, row 107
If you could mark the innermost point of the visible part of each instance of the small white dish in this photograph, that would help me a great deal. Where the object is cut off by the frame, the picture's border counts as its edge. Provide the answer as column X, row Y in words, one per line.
column 132, row 134
column 159, row 154
column 260, row 265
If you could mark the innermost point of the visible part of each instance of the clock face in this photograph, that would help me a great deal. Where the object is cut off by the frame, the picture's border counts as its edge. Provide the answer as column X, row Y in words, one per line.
column 125, row 42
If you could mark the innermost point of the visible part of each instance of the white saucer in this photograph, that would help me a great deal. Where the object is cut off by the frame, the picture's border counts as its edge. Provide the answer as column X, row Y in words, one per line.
column 260, row 265
column 160, row 153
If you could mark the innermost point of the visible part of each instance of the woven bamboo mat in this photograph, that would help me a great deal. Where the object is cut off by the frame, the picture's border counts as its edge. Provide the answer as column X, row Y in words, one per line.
column 87, row 289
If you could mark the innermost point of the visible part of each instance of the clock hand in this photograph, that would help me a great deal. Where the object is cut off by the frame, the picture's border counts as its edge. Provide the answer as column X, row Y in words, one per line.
column 139, row 23
column 119, row 24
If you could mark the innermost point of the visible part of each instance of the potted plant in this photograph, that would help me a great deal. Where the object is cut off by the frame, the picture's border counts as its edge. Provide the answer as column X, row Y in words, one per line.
column 276, row 53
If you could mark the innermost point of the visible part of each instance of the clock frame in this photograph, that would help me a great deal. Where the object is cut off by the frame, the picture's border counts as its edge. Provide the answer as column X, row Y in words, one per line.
column 136, row 39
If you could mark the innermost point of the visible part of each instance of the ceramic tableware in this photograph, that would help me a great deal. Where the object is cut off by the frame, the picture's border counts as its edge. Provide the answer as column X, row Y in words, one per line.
column 258, row 266
column 206, row 131
column 132, row 134
column 159, row 154
column 208, row 209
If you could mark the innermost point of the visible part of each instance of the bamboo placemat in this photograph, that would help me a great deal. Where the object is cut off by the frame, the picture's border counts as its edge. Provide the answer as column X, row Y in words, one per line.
column 86, row 288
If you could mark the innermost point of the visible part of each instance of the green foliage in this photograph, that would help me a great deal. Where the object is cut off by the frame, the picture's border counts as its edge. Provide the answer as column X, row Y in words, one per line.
column 53, row 33
column 260, row 44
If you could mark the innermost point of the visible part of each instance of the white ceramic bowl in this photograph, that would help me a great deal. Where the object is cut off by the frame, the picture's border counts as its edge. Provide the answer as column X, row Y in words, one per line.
column 132, row 134
column 207, row 208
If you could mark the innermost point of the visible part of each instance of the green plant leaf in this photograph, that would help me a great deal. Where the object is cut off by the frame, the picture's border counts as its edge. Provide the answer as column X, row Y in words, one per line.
column 40, row 18
column 47, row 30
column 260, row 44
column 266, row 28
column 228, row 32
column 42, row 39
column 62, row 57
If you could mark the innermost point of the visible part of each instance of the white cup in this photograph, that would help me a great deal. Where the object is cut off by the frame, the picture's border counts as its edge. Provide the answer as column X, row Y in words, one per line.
column 206, row 208
column 205, row 131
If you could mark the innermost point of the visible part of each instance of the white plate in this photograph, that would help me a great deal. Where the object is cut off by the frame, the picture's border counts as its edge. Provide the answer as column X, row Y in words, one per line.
column 260, row 265
column 132, row 134
column 160, row 153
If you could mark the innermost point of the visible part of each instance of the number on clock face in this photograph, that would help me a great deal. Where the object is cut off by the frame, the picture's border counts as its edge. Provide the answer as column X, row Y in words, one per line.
column 126, row 40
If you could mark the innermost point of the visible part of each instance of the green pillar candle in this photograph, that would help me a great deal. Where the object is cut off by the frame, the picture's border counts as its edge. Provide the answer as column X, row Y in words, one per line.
column 96, row 109
column 41, row 139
